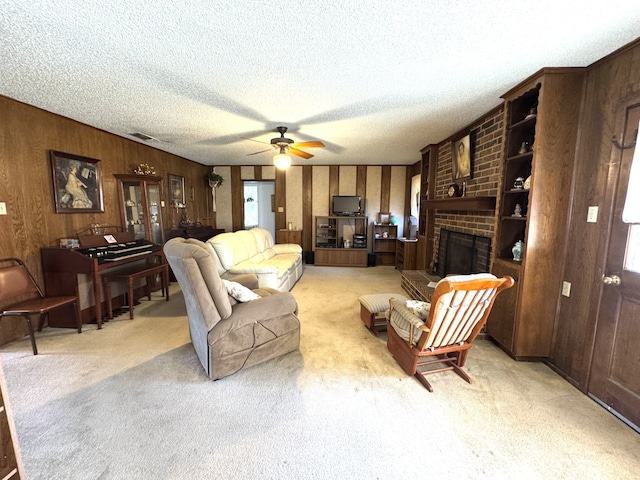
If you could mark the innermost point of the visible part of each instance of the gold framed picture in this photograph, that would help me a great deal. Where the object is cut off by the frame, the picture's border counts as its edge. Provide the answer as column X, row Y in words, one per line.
column 462, row 166
column 77, row 183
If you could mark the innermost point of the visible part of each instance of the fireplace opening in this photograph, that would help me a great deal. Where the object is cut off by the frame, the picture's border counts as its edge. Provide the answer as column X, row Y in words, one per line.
column 462, row 253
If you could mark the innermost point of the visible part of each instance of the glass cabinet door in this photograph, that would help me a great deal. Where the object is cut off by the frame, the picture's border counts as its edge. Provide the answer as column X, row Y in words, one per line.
column 141, row 202
column 155, row 216
column 133, row 209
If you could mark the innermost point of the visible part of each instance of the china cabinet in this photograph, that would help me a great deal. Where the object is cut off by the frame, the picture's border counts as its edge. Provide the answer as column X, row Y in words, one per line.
column 140, row 206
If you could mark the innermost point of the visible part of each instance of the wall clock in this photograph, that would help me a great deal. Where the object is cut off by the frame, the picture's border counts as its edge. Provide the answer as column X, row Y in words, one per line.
column 453, row 190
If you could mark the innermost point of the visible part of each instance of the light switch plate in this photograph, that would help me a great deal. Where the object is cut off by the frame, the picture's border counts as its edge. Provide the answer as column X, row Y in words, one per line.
column 3, row 208
column 280, row 209
column 592, row 214
column 566, row 289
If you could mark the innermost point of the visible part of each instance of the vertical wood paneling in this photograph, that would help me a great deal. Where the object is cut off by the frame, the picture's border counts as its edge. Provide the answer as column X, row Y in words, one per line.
column 361, row 181
column 281, row 198
column 385, row 188
column 607, row 85
column 237, row 198
column 334, row 183
column 307, row 208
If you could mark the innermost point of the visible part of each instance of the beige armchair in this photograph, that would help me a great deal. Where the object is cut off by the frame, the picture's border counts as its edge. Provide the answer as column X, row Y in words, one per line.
column 459, row 309
column 228, row 335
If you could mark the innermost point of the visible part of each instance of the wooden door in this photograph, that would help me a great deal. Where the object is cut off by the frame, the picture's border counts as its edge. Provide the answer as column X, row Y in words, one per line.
column 615, row 370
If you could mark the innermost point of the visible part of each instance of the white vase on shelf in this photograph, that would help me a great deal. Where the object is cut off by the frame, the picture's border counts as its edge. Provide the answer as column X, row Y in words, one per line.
column 517, row 251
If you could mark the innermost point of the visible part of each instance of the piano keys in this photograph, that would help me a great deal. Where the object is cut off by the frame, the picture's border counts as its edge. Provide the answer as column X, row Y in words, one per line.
column 119, row 251
column 63, row 269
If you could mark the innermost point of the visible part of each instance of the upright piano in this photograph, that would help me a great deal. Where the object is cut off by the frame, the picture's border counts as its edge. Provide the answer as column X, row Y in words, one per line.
column 97, row 253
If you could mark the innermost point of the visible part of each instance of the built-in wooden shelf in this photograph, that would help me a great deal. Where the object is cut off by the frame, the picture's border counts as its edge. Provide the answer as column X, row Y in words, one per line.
column 462, row 203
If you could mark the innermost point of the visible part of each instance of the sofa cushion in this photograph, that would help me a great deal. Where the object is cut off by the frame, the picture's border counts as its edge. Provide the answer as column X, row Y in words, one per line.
column 249, row 241
column 257, row 258
column 263, row 238
column 229, row 249
column 209, row 248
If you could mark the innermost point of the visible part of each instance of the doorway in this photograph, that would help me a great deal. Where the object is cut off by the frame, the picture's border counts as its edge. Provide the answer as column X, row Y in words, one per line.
column 614, row 381
column 258, row 205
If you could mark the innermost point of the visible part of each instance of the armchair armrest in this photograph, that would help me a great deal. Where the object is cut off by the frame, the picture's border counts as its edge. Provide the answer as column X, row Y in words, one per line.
column 278, row 304
column 405, row 322
column 287, row 248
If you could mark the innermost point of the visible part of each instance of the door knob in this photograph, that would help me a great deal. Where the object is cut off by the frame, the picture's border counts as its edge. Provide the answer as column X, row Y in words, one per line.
column 611, row 280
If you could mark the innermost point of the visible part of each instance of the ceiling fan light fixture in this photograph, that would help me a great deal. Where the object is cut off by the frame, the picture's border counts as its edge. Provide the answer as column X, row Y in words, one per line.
column 282, row 161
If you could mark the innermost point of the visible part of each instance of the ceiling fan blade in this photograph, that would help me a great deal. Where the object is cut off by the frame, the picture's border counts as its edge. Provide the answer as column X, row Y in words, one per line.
column 261, row 151
column 299, row 153
column 308, row 144
column 258, row 141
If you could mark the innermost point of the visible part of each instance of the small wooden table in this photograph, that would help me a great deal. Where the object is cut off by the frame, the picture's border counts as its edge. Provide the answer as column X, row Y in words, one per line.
column 130, row 275
column 289, row 236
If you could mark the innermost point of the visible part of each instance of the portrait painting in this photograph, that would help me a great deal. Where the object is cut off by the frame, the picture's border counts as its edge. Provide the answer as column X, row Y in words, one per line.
column 176, row 190
column 462, row 166
column 77, row 183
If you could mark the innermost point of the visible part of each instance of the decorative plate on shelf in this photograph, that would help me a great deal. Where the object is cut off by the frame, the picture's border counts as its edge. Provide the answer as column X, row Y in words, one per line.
column 453, row 190
column 527, row 183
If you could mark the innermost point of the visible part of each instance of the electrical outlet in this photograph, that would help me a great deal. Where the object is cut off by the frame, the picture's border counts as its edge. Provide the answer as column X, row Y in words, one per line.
column 566, row 289
column 280, row 209
column 592, row 215
column 3, row 208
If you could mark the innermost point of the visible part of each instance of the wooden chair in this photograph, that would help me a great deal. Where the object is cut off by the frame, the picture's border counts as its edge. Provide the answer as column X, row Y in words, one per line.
column 18, row 285
column 459, row 309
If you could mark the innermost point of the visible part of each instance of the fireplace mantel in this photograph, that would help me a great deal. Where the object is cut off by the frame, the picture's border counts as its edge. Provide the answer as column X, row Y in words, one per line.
column 462, row 203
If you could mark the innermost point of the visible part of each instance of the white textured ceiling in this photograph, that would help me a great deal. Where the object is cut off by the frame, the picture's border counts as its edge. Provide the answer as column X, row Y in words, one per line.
column 374, row 80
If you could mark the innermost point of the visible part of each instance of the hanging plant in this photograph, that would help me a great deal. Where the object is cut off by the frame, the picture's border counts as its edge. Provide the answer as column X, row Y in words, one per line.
column 215, row 180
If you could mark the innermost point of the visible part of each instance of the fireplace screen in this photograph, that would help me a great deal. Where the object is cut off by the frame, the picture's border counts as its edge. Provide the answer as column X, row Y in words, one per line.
column 462, row 253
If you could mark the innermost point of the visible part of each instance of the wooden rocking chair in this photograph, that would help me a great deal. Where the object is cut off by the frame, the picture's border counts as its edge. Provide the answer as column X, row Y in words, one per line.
column 459, row 309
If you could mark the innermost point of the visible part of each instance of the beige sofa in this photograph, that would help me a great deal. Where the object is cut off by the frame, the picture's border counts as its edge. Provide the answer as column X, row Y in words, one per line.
column 253, row 251
column 229, row 335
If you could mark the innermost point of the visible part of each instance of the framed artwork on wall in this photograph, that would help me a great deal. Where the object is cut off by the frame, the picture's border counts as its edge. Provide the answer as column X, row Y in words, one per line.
column 462, row 166
column 176, row 190
column 77, row 183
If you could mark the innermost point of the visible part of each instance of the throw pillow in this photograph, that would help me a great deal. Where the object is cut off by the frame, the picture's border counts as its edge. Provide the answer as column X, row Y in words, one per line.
column 418, row 308
column 240, row 292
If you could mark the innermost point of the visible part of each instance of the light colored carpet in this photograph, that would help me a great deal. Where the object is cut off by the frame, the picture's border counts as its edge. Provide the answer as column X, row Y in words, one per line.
column 131, row 401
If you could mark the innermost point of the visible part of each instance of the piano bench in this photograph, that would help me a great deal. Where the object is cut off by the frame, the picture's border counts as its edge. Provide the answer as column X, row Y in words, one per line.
column 130, row 275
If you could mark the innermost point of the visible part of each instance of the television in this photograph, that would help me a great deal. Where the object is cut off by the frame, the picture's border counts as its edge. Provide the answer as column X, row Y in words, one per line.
column 346, row 205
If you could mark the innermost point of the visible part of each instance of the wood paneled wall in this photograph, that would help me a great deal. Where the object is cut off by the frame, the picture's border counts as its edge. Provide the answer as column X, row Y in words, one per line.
column 611, row 82
column 315, row 199
column 27, row 134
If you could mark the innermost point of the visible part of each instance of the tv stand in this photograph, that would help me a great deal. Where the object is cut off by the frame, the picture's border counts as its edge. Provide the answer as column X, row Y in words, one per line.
column 332, row 233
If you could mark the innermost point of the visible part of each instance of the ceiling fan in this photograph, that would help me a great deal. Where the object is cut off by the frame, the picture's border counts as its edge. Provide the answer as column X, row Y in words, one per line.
column 286, row 145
